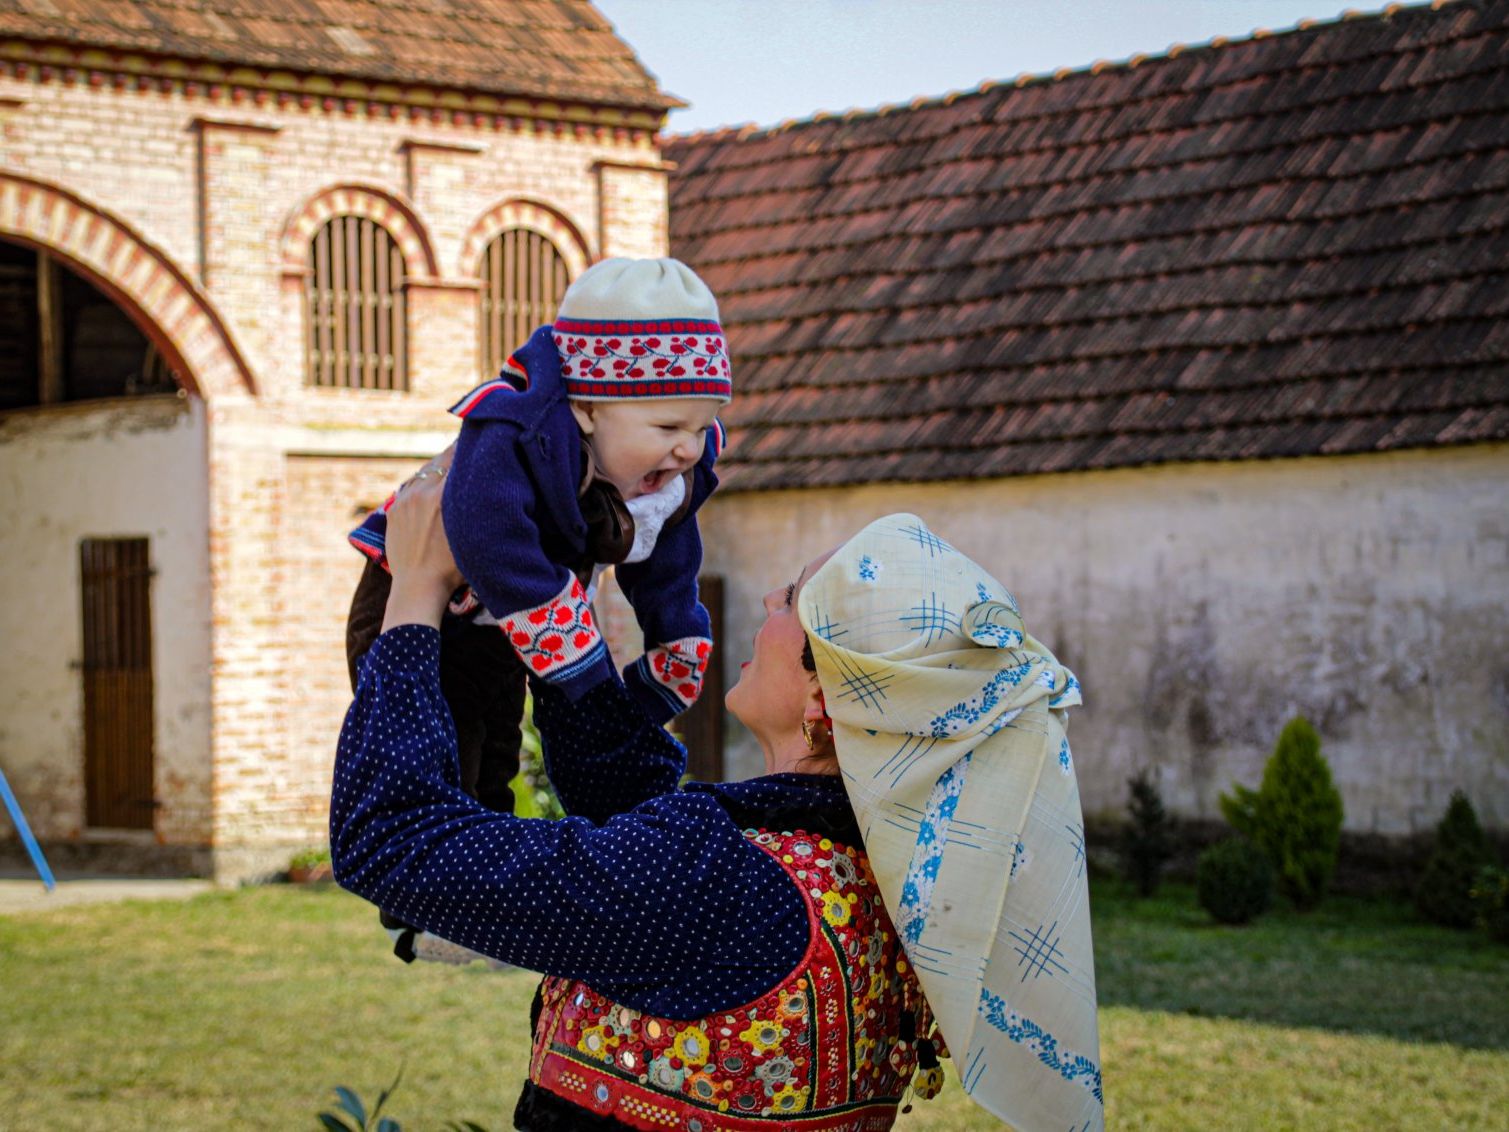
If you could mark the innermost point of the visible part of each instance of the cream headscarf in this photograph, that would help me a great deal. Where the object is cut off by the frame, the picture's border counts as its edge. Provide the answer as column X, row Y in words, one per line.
column 948, row 720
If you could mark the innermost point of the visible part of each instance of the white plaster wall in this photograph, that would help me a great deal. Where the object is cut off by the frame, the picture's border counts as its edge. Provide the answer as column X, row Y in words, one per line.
column 1203, row 605
column 110, row 469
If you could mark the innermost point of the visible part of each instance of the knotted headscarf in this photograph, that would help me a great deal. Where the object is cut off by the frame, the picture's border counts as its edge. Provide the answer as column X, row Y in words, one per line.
column 949, row 724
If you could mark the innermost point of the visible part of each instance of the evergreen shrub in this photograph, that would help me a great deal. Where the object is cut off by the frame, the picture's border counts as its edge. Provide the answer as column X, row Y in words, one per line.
column 1295, row 814
column 1147, row 841
column 1234, row 881
column 1458, row 854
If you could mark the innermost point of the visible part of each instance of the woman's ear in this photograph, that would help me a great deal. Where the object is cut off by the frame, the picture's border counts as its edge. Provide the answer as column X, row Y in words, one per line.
column 582, row 411
column 815, row 710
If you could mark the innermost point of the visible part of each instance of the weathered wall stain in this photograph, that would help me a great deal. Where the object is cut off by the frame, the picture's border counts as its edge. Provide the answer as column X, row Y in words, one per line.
column 1205, row 605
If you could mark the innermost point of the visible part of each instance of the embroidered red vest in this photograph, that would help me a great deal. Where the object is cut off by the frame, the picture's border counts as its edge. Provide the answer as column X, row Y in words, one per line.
column 818, row 1051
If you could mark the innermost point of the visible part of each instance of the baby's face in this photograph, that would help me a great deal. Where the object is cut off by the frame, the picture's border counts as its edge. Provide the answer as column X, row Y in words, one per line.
column 642, row 445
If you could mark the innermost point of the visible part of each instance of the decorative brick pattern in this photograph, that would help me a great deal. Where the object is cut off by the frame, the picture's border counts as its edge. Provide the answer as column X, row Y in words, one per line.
column 525, row 214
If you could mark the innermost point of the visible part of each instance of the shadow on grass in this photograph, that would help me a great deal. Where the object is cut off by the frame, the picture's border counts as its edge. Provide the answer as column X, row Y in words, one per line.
column 1351, row 965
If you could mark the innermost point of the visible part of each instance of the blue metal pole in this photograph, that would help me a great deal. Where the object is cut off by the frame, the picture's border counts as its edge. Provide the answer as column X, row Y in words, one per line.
column 32, row 848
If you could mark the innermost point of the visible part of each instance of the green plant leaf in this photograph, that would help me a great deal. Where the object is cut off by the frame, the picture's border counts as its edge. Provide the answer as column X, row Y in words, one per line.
column 333, row 1123
column 349, row 1102
column 388, row 1124
column 382, row 1097
column 464, row 1126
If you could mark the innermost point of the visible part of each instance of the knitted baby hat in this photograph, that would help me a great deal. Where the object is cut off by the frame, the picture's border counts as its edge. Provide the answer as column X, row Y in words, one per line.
column 641, row 328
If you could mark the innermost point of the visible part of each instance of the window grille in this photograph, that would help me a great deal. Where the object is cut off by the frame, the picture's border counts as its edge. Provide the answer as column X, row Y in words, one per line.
column 523, row 278
column 357, row 314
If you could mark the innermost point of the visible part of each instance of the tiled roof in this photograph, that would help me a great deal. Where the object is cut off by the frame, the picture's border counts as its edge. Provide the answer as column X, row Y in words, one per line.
column 1289, row 245
column 556, row 49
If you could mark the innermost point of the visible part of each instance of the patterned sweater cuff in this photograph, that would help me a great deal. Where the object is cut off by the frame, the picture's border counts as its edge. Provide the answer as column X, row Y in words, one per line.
column 668, row 678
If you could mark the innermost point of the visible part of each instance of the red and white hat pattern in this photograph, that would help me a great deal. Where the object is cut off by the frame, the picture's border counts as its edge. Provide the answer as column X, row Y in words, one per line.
column 642, row 328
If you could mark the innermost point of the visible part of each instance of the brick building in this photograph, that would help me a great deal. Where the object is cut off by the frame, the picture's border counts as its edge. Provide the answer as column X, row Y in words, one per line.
column 248, row 254
column 1205, row 353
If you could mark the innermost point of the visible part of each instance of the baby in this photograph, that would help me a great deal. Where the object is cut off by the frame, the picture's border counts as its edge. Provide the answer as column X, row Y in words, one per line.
column 595, row 446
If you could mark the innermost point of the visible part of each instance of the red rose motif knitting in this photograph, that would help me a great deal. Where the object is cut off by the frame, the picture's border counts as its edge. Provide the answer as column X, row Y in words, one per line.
column 557, row 638
column 681, row 358
column 680, row 666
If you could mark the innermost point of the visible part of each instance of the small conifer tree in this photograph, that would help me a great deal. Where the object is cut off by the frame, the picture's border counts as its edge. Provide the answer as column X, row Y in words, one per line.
column 1459, row 853
column 1294, row 816
column 1234, row 881
column 1147, row 841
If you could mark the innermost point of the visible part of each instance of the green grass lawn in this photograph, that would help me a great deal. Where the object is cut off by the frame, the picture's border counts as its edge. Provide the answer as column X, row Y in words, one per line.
column 242, row 1009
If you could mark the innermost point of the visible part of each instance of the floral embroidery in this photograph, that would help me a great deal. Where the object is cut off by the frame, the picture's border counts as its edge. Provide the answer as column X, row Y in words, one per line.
column 1068, row 696
column 791, row 1098
column 1069, row 1065
column 963, row 715
column 997, row 636
column 927, row 857
column 691, row 1046
column 559, row 638
column 774, row 1058
column 1065, row 762
column 844, row 872
column 869, row 569
column 762, row 1036
column 835, row 909
column 597, row 1042
column 775, row 1073
column 666, row 1076
column 793, row 1006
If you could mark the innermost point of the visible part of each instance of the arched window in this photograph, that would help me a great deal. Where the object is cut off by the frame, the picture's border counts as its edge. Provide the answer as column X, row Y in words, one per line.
column 358, row 321
column 524, row 276
column 62, row 339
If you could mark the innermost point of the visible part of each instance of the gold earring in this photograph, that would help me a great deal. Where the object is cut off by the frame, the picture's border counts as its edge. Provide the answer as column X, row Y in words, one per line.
column 809, row 730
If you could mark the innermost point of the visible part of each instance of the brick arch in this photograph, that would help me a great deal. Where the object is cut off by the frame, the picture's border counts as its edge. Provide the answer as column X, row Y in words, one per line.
column 142, row 279
column 520, row 213
column 370, row 203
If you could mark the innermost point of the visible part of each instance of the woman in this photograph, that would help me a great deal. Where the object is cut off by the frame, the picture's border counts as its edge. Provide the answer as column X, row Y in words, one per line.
column 719, row 956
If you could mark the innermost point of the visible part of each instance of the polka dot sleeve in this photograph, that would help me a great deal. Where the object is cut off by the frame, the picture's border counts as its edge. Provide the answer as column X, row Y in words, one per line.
column 666, row 907
column 603, row 753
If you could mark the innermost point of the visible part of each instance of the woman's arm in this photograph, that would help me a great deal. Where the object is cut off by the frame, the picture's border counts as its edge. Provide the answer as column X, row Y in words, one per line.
column 603, row 753
column 667, row 908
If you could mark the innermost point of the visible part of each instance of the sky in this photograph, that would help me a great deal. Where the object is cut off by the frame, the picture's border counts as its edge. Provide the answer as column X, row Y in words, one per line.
column 765, row 61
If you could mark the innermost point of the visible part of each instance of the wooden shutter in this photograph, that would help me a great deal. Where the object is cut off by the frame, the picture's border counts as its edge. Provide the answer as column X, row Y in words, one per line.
column 357, row 315
column 523, row 278
column 701, row 726
column 117, row 670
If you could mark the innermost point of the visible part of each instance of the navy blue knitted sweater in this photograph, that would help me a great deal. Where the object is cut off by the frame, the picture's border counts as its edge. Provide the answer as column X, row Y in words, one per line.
column 650, row 894
column 512, row 519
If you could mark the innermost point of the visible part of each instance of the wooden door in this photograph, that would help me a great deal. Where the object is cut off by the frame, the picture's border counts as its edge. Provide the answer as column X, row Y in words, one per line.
column 117, row 670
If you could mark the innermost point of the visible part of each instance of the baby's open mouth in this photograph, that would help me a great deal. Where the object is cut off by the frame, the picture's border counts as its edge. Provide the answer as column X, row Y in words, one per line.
column 653, row 482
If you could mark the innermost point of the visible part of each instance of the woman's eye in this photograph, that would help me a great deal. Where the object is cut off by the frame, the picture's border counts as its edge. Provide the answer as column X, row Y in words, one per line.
column 790, row 593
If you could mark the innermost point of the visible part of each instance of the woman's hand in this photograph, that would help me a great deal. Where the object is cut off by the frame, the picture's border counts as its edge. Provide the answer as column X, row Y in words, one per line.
column 424, row 573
